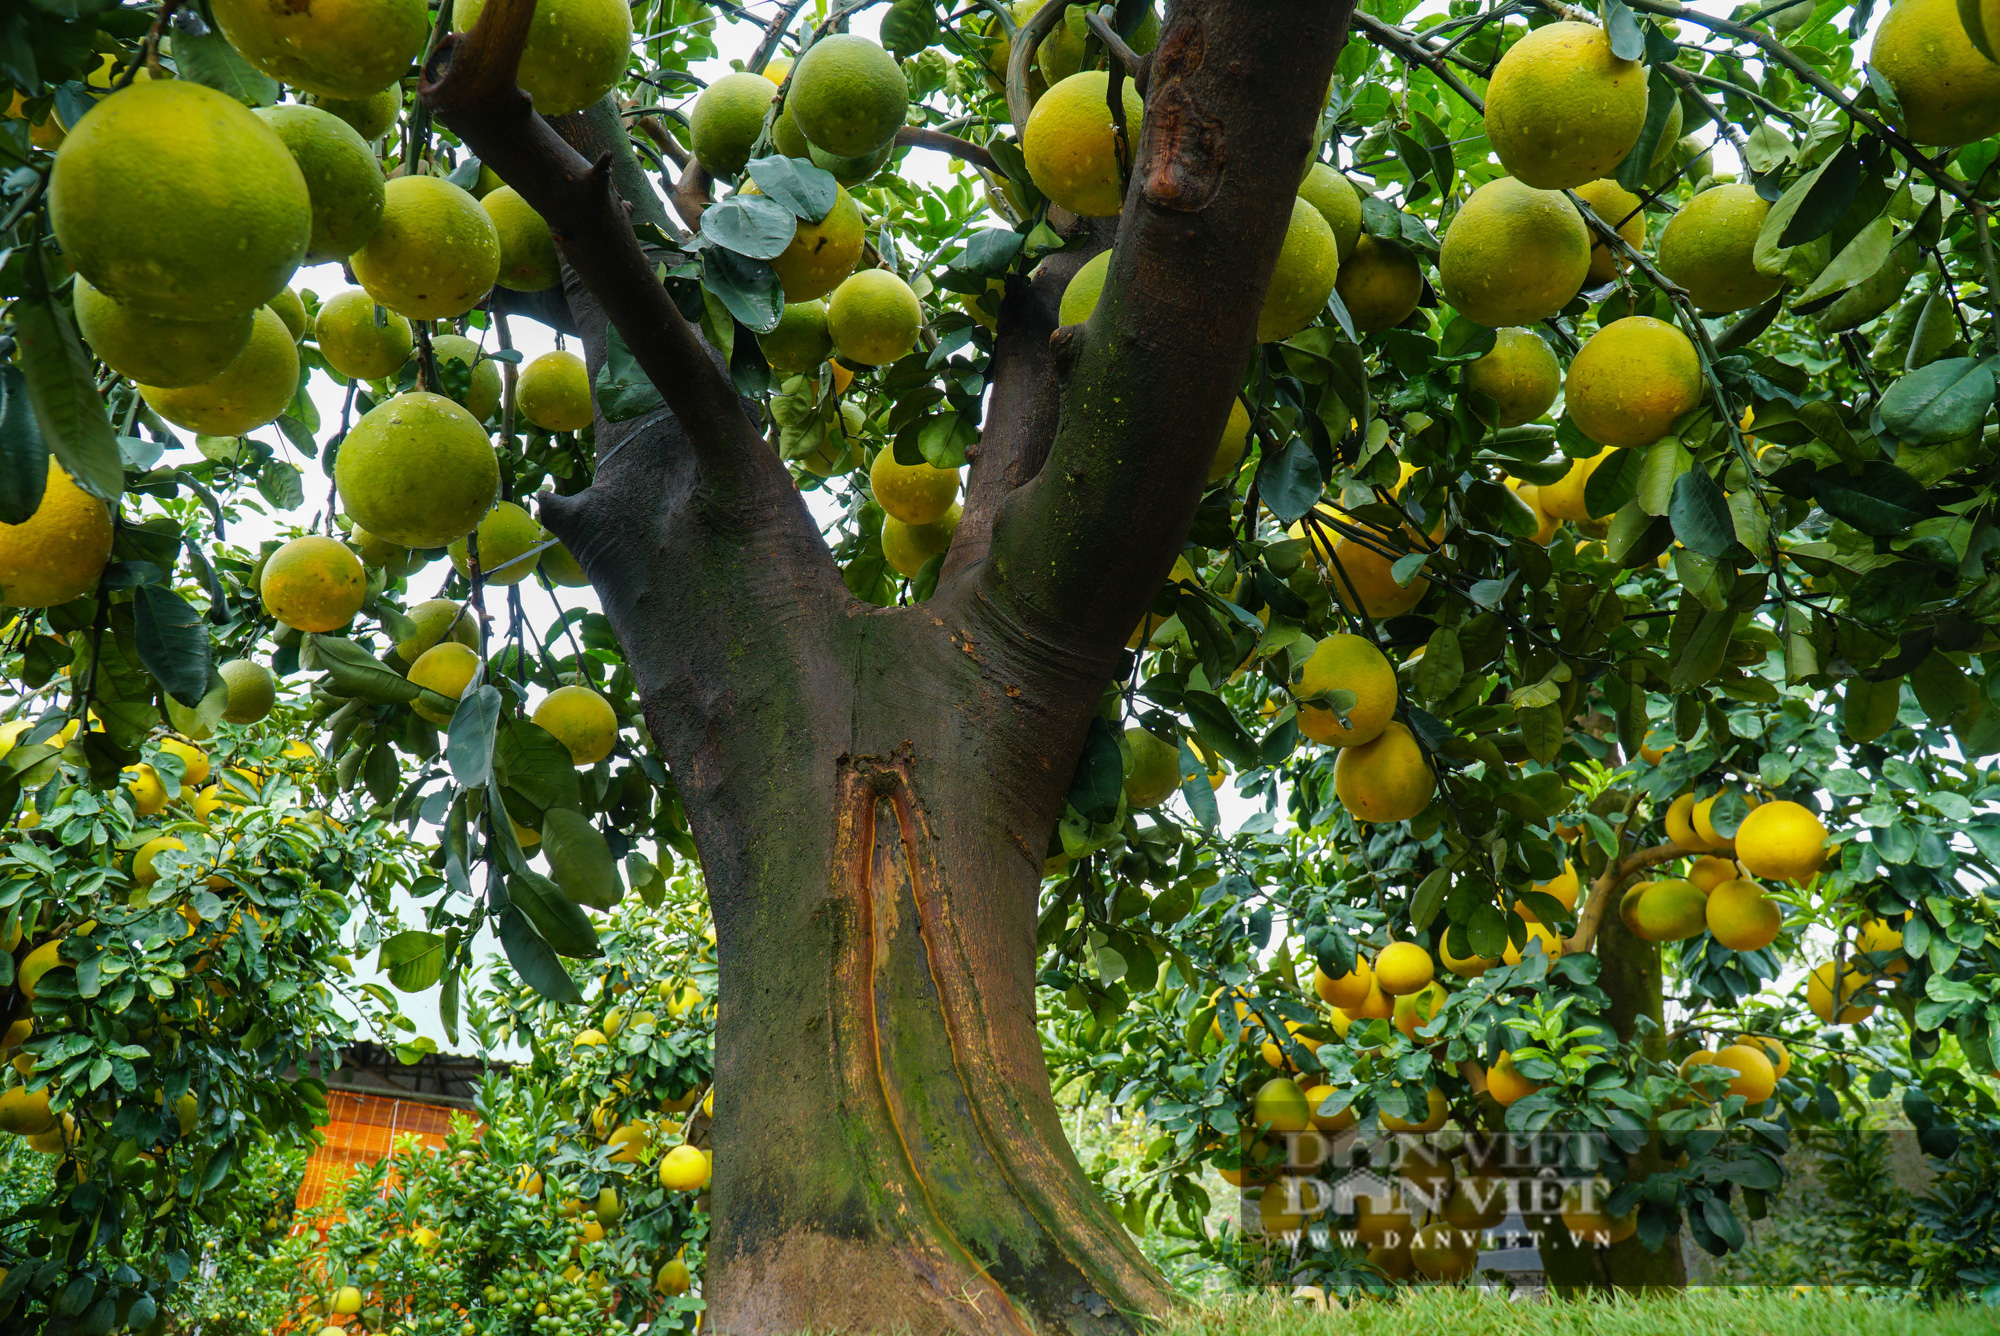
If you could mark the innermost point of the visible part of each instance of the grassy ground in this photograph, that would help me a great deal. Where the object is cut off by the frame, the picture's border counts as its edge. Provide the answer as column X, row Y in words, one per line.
column 1453, row 1312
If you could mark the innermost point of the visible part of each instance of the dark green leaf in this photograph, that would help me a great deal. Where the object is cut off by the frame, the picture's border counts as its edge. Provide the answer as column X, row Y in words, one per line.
column 1218, row 726
column 806, row 191
column 1661, row 96
column 580, row 859
column 356, row 672
column 210, row 60
column 560, row 921
column 1100, row 774
column 753, row 225
column 1289, row 482
column 1826, row 199
column 623, row 392
column 1701, row 650
column 172, row 642
column 536, row 771
column 1614, row 482
column 24, row 455
column 533, row 960
column 1940, row 402
column 67, row 407
column 1878, row 498
column 1700, row 515
column 989, row 253
column 748, row 287
column 282, row 484
column 1628, row 42
column 470, row 751
column 1195, row 789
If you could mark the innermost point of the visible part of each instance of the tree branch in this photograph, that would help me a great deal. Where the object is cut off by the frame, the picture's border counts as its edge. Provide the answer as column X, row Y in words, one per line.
column 912, row 136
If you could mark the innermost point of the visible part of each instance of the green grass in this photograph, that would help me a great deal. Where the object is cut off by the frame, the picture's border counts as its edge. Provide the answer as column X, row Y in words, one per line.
column 1454, row 1312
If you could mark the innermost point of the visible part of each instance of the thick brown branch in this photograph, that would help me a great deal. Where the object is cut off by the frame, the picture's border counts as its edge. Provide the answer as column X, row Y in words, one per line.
column 693, row 193
column 911, row 136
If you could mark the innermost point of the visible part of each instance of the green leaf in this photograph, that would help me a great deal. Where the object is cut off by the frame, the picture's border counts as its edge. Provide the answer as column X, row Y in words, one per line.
column 1878, row 498
column 535, row 770
column 172, row 642
column 1660, row 99
column 1542, row 731
column 989, row 253
column 470, row 751
column 1811, row 207
column 1100, row 774
column 1442, row 667
column 1195, row 790
column 748, row 287
column 1218, row 726
column 1613, row 482
column 559, row 920
column 356, row 672
column 414, row 961
column 282, row 484
column 67, row 407
column 1666, row 460
column 580, row 859
column 754, row 225
column 1424, row 905
column 1702, row 647
column 1290, row 481
column 532, row 959
column 1857, row 260
column 622, row 390
column 1700, row 515
column 24, row 455
column 209, row 59
column 1941, row 402
column 807, row 191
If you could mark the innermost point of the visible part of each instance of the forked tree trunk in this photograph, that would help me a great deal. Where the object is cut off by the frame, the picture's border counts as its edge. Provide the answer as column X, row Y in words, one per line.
column 872, row 790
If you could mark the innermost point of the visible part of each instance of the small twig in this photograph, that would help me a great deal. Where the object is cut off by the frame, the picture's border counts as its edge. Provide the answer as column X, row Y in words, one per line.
column 662, row 139
column 912, row 136
column 1134, row 63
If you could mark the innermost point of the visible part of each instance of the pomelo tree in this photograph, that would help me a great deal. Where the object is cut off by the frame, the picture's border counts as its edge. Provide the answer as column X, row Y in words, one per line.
column 1240, row 330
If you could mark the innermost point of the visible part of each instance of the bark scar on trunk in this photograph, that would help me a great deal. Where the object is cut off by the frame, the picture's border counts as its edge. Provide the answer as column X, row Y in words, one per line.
column 1188, row 146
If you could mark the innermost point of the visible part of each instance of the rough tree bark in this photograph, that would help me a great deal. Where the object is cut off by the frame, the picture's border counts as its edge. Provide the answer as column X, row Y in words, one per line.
column 872, row 790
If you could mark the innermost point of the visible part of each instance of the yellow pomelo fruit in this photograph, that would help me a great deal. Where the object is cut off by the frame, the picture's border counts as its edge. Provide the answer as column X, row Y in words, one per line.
column 177, row 201
column 561, row 565
column 1539, row 939
column 1465, row 967
column 786, row 138
column 1531, row 496
column 1619, row 209
column 143, row 871
column 1519, row 374
column 1316, row 1099
column 1679, row 821
column 1742, row 918
column 25, row 1112
column 1150, row 622
column 1704, row 827
column 152, row 351
column 576, row 51
column 1303, row 277
column 391, row 557
column 347, row 1301
column 314, row 584
column 1563, row 498
column 370, row 116
column 257, row 386
column 432, row 619
column 1980, row 17
column 1353, row 664
column 672, row 1277
column 684, row 1169
column 528, row 260
column 482, row 386
column 34, row 965
column 1337, row 201
column 1563, row 888
column 1443, row 1253
column 554, row 392
column 1878, row 935
column 874, row 317
column 821, row 253
column 1359, row 572
column 334, row 48
column 1380, row 284
column 582, row 720
column 1085, row 286
column 800, row 343
column 253, row 691
column 59, row 552
column 505, row 533
column 1071, row 146
column 1780, row 1057
column 1949, row 92
column 194, row 761
column 1755, row 1077
column 1584, row 1213
column 1386, row 779
column 290, row 308
column 354, row 344
column 1235, row 440
column 149, row 795
column 1433, row 1119
column 1671, row 911
column 1507, row 1085
column 1152, row 768
column 1561, row 109
column 435, row 252
column 906, row 547
column 1402, row 968
column 1819, row 995
column 1707, row 248
column 417, row 470
column 848, row 95
column 1781, row 840
column 1513, row 254
column 1349, row 990
column 1280, row 1106
column 1628, row 905
column 1415, row 1010
column 913, row 493
column 446, row 669
column 726, row 120
column 343, row 178
column 1709, row 873
column 1632, row 380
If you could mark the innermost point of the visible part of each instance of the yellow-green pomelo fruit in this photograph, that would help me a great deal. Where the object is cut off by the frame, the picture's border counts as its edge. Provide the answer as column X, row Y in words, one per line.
column 152, row 351
column 177, row 201
column 1629, row 383
column 1619, row 209
column 554, row 392
column 435, row 252
column 343, row 177
column 482, row 391
column 821, row 253
column 252, row 691
column 1085, row 286
column 848, row 95
column 505, row 533
column 391, row 557
column 1337, row 201
column 314, row 583
column 561, row 565
column 839, row 450
column 1519, row 374
column 800, row 342
column 1352, row 664
column 433, row 618
column 370, row 116
column 1234, row 441
column 290, row 308
column 1980, row 17
column 335, row 48
column 252, row 390
column 907, row 547
column 786, row 138
column 1513, row 254
column 1152, row 768
column 417, row 470
column 850, row 171
column 577, row 49
column 446, row 669
column 1379, row 284
column 913, row 493
column 58, row 552
column 1071, row 144
column 1561, row 109
column 582, row 720
column 1671, row 911
column 1708, row 246
column 1950, row 94
column 528, row 260
column 1302, row 279
column 352, row 341
column 874, row 317
column 726, row 120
